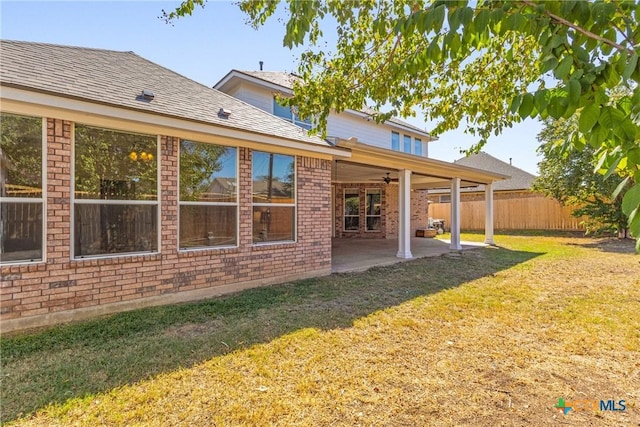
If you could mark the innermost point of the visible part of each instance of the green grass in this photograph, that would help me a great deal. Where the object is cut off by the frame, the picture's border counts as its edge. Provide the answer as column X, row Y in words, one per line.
column 539, row 318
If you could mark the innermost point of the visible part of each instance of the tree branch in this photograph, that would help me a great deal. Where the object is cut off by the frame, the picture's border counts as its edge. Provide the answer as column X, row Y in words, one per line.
column 581, row 30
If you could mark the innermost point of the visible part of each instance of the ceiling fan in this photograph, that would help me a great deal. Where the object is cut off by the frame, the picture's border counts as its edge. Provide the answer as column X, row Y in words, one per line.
column 387, row 179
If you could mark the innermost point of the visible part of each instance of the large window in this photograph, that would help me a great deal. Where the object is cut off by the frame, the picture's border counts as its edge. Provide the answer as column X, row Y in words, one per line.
column 115, row 192
column 21, row 185
column 289, row 114
column 208, row 195
column 395, row 141
column 406, row 147
column 373, row 212
column 351, row 209
column 274, row 197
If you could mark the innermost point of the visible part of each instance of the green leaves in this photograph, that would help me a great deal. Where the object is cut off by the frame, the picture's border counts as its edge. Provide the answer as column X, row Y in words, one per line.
column 588, row 118
column 489, row 66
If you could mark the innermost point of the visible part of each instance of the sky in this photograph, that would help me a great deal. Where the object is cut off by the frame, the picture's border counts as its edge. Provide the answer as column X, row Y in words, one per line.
column 207, row 45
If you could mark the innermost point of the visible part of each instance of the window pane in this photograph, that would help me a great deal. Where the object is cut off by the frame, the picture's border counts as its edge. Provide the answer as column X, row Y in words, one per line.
column 352, row 202
column 20, row 232
column 373, row 202
column 207, row 226
column 351, row 223
column 418, row 147
column 207, row 172
column 273, row 223
column 373, row 223
column 407, row 144
column 281, row 110
column 273, row 178
column 395, row 141
column 115, row 165
column 113, row 229
column 20, row 156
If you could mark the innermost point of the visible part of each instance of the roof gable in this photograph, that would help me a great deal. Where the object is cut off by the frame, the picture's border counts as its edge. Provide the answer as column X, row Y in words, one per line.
column 118, row 78
column 520, row 179
column 286, row 81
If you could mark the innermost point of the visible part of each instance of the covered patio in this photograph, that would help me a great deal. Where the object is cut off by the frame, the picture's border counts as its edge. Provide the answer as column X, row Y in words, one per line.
column 410, row 173
column 349, row 255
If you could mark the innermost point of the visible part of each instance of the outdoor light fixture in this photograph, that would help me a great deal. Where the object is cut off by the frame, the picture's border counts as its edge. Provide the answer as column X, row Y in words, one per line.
column 386, row 179
column 224, row 113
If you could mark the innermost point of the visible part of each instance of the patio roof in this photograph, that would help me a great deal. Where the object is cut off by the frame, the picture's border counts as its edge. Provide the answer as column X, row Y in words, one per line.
column 367, row 163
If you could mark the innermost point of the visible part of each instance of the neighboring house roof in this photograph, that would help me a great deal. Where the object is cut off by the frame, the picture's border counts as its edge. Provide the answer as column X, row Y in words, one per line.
column 519, row 179
column 285, row 80
column 118, row 78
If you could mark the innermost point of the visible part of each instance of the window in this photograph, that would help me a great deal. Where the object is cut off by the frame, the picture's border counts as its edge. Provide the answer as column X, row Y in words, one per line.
column 115, row 192
column 208, row 195
column 373, row 213
column 290, row 114
column 274, row 199
column 418, row 147
column 21, row 185
column 351, row 209
column 407, row 144
column 395, row 141
column 445, row 199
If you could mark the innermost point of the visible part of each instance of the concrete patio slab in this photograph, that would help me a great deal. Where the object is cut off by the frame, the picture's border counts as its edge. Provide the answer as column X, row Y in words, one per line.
column 361, row 254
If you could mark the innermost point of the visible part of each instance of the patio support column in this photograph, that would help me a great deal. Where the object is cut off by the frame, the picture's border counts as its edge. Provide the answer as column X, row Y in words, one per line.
column 455, row 215
column 488, row 215
column 404, row 214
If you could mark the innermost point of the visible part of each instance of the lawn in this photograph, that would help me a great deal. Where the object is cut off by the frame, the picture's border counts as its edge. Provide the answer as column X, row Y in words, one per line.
column 494, row 336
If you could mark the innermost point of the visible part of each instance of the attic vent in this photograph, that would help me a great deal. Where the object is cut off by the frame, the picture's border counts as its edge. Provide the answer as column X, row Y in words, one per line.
column 147, row 95
column 224, row 113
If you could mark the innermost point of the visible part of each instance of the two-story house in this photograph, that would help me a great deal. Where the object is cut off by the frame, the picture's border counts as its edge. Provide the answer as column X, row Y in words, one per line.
column 124, row 184
column 364, row 198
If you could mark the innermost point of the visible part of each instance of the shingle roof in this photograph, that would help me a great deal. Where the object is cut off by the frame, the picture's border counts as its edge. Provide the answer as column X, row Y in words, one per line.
column 286, row 80
column 118, row 78
column 519, row 179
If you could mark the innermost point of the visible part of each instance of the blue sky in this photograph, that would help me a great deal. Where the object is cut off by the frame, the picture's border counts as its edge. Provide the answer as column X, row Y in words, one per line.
column 204, row 47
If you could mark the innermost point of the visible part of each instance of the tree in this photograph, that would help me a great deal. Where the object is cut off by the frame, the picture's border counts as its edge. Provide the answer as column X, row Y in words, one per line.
column 568, row 176
column 487, row 63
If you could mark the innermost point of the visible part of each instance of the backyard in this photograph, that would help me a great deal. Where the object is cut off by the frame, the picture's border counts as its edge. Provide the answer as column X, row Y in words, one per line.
column 491, row 336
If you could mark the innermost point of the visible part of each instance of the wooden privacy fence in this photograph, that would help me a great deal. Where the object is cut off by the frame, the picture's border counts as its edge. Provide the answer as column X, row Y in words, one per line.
column 531, row 213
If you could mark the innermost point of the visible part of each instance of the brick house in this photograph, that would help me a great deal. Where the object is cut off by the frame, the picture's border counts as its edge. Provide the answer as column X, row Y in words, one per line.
column 124, row 184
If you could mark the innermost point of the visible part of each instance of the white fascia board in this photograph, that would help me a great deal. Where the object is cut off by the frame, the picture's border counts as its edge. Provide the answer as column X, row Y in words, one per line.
column 20, row 101
column 234, row 74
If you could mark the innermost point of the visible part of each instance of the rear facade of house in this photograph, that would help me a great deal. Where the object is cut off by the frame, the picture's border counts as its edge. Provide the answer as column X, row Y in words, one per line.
column 136, row 186
column 124, row 184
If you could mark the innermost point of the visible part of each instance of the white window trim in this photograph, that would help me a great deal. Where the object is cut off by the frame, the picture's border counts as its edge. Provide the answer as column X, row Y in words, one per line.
column 194, row 203
column 74, row 201
column 42, row 199
column 366, row 214
column 294, row 204
column 345, row 216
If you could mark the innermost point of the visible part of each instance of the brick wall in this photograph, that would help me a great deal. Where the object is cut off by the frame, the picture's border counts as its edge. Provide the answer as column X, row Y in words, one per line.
column 63, row 289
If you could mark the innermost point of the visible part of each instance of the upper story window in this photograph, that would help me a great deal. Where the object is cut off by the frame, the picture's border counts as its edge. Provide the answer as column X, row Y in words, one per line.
column 274, row 197
column 289, row 114
column 21, row 188
column 208, row 195
column 406, row 146
column 417, row 147
column 115, row 192
column 395, row 141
